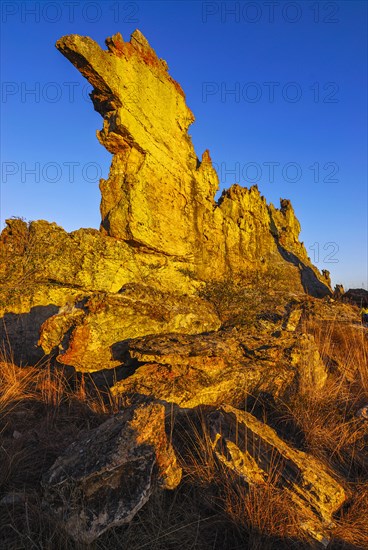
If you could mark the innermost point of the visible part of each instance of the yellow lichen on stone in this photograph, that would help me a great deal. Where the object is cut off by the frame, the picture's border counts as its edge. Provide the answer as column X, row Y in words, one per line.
column 159, row 196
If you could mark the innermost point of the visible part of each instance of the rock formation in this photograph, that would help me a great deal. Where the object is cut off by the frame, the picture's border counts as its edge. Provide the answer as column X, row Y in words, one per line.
column 252, row 450
column 161, row 226
column 220, row 367
column 358, row 296
column 105, row 477
column 174, row 292
column 110, row 472
column 159, row 196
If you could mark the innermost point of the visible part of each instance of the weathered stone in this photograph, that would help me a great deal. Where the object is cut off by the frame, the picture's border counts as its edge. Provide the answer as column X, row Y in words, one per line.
column 312, row 372
column 161, row 226
column 127, row 296
column 293, row 319
column 254, row 451
column 159, row 197
column 221, row 367
column 338, row 292
column 105, row 477
column 84, row 260
column 329, row 310
column 108, row 319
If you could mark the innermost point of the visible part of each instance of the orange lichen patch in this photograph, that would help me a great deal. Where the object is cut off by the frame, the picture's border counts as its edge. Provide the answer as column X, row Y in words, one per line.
column 77, row 346
column 139, row 48
column 148, row 56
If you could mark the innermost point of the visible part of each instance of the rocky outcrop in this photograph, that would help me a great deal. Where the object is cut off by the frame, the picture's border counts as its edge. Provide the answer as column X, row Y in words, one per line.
column 220, row 367
column 357, row 296
column 159, row 196
column 161, row 226
column 162, row 295
column 105, row 477
column 254, row 451
column 52, row 282
column 100, row 322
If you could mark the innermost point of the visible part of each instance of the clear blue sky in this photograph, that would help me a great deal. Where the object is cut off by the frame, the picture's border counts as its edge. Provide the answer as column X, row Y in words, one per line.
column 278, row 90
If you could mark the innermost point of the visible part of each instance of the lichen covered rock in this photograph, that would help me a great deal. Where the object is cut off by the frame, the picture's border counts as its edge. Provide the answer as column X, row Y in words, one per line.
column 161, row 228
column 255, row 452
column 221, row 367
column 159, row 196
column 102, row 322
column 105, row 477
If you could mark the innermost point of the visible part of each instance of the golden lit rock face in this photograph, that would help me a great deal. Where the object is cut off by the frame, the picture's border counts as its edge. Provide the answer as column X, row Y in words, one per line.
column 161, row 228
column 221, row 367
column 159, row 196
column 148, row 198
column 102, row 321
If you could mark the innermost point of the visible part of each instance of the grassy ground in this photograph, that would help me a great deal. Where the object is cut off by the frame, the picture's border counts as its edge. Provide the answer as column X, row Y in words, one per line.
column 41, row 412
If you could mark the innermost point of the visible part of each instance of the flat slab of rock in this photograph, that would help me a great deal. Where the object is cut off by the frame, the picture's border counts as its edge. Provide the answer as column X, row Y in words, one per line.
column 220, row 367
column 255, row 452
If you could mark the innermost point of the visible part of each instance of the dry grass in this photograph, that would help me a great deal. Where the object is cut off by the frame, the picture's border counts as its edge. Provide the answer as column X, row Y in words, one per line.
column 258, row 517
column 327, row 418
column 327, row 425
column 345, row 347
column 42, row 411
column 352, row 526
column 242, row 301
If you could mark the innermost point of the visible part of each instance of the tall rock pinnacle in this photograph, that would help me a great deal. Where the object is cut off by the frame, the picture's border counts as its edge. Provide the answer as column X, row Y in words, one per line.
column 159, row 196
column 163, row 240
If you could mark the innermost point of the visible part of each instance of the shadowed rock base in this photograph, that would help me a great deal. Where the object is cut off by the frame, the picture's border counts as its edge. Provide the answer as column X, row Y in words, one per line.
column 105, row 477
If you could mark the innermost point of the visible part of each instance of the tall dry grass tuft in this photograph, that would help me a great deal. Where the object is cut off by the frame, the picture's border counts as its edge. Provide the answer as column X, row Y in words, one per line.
column 344, row 347
column 352, row 526
column 42, row 411
column 266, row 510
column 49, row 386
column 16, row 385
column 327, row 418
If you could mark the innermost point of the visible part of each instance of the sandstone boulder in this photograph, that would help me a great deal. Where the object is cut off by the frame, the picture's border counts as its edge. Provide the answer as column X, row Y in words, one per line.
column 100, row 323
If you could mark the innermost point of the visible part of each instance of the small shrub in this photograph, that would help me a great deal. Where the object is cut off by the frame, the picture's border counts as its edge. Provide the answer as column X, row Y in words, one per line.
column 243, row 301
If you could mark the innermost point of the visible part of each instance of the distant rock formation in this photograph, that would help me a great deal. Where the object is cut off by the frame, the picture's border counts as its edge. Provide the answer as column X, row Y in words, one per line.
column 357, row 296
